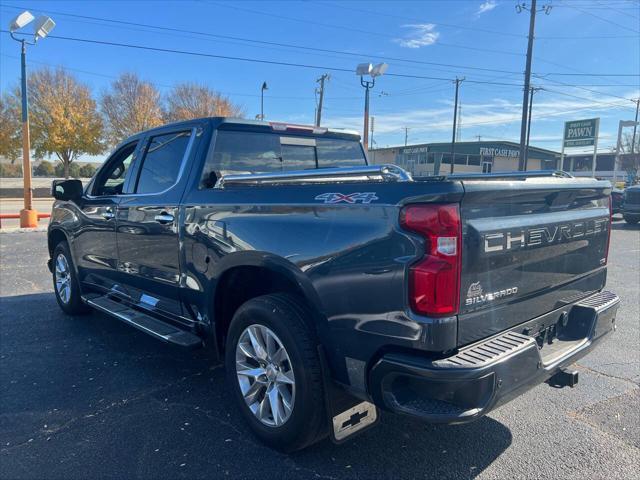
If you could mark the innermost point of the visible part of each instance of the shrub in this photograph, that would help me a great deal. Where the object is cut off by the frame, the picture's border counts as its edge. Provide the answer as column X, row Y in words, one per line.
column 44, row 169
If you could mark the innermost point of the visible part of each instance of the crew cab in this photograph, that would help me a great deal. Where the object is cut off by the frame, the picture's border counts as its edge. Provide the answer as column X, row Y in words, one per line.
column 332, row 288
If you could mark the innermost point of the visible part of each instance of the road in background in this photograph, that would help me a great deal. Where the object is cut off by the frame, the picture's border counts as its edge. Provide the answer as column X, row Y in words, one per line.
column 14, row 205
column 90, row 397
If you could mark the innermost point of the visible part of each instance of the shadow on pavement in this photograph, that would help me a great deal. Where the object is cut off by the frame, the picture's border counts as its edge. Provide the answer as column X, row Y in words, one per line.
column 623, row 225
column 91, row 397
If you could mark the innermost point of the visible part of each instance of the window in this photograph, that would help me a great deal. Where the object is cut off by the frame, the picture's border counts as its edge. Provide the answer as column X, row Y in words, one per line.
column 110, row 179
column 474, row 159
column 251, row 152
column 161, row 163
column 336, row 152
column 446, row 158
column 460, row 159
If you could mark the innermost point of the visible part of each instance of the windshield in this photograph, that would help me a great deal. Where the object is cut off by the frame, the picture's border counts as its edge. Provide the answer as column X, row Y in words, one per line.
column 249, row 152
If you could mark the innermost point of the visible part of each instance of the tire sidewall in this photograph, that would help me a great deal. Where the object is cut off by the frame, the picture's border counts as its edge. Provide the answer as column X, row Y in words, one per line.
column 74, row 305
column 262, row 313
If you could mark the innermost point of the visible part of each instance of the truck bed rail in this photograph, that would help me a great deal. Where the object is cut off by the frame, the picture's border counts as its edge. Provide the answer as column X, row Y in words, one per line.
column 370, row 173
column 510, row 175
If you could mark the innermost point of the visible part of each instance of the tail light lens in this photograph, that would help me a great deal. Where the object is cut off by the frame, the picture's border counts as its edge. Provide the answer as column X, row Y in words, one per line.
column 434, row 281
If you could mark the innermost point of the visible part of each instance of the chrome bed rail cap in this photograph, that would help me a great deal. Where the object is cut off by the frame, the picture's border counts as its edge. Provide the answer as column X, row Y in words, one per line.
column 369, row 173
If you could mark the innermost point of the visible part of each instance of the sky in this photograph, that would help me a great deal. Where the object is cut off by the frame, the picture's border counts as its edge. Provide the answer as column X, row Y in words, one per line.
column 586, row 58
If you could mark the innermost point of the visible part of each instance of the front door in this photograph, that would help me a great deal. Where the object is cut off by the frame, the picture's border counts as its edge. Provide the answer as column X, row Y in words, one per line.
column 486, row 167
column 148, row 222
column 95, row 240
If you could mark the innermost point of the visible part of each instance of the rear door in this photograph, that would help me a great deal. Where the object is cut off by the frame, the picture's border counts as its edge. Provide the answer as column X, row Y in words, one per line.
column 529, row 247
column 148, row 221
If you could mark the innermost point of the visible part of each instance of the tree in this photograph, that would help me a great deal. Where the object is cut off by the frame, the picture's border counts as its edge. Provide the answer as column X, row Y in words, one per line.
column 130, row 106
column 63, row 117
column 10, row 128
column 87, row 170
column 44, row 169
column 191, row 100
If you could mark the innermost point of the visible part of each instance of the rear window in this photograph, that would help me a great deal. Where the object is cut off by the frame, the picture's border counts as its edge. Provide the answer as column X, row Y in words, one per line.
column 247, row 152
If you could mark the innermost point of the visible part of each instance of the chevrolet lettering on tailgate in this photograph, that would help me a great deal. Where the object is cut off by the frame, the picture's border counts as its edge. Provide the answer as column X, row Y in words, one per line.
column 533, row 237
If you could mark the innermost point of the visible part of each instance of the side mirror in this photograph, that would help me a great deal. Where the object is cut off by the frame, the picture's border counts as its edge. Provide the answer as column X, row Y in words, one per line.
column 66, row 189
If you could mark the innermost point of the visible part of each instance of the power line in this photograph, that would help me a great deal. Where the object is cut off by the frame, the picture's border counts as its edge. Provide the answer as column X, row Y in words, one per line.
column 304, row 47
column 572, row 6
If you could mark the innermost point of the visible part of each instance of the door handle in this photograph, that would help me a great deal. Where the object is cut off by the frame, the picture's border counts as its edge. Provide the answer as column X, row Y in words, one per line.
column 108, row 214
column 164, row 217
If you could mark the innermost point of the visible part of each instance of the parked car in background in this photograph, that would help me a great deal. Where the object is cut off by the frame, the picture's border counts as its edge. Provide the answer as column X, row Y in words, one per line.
column 617, row 199
column 631, row 204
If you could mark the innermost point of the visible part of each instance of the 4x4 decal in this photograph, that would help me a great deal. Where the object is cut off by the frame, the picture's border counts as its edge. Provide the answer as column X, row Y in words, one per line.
column 363, row 197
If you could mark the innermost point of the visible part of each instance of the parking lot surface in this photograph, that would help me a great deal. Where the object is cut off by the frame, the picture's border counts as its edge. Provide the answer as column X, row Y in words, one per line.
column 90, row 397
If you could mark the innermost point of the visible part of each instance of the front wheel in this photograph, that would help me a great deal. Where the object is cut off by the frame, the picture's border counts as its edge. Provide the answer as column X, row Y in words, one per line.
column 630, row 219
column 65, row 281
column 274, row 371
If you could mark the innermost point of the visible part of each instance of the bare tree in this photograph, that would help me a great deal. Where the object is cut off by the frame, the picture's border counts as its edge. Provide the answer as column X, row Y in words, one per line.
column 9, row 128
column 130, row 106
column 63, row 116
column 191, row 100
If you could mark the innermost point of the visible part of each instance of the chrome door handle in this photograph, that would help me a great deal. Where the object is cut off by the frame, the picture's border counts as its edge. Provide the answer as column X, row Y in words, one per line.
column 108, row 214
column 164, row 218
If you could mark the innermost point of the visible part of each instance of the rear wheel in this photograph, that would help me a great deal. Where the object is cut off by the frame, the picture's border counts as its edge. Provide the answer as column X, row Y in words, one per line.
column 274, row 371
column 65, row 281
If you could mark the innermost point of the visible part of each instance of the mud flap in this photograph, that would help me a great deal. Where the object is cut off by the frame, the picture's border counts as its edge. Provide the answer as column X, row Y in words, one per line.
column 347, row 415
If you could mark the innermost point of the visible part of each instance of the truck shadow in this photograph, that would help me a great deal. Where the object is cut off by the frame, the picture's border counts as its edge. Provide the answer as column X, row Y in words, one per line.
column 92, row 397
column 619, row 224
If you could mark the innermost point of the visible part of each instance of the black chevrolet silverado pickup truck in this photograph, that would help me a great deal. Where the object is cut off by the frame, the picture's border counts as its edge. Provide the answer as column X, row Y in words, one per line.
column 331, row 287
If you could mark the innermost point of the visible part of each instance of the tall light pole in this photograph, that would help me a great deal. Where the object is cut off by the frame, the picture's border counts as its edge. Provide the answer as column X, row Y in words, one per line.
column 366, row 69
column 262, row 89
column 42, row 27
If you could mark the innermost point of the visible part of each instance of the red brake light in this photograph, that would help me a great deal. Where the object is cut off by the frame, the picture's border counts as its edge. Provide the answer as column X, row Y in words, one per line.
column 434, row 281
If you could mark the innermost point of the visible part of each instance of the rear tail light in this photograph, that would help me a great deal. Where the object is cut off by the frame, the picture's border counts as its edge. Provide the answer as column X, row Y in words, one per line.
column 434, row 281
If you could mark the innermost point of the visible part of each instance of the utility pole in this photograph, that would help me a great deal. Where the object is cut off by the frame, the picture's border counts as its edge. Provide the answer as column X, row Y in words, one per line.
column 264, row 87
column 527, row 74
column 532, row 90
column 368, row 85
column 459, row 128
column 320, row 91
column 479, row 137
column 406, row 135
column 455, row 119
column 635, row 127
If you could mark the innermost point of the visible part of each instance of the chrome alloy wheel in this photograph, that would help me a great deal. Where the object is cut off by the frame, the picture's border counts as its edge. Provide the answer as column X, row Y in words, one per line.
column 63, row 278
column 265, row 375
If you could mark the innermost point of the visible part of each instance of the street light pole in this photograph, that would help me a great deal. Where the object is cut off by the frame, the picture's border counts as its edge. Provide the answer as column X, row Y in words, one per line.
column 42, row 27
column 28, row 216
column 367, row 85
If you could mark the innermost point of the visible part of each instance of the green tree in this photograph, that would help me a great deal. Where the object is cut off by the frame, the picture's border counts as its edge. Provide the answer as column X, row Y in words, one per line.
column 63, row 117
column 44, row 169
column 10, row 128
column 130, row 106
column 87, row 170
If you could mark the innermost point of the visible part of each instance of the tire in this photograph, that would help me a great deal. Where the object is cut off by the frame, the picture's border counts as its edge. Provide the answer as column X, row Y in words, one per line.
column 283, row 315
column 65, row 282
column 631, row 220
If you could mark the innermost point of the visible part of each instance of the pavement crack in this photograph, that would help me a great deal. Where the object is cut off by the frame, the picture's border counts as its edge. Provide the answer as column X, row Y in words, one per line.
column 608, row 375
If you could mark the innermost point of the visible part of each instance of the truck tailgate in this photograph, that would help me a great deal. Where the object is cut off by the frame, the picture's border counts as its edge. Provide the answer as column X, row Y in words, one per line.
column 529, row 247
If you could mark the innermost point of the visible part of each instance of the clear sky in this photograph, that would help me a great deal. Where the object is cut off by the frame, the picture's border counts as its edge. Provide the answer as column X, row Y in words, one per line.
column 481, row 40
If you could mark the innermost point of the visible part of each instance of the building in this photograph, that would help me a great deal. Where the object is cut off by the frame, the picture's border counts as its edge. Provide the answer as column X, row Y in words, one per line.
column 470, row 157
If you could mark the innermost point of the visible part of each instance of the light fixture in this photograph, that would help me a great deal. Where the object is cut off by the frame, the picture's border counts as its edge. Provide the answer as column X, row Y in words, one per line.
column 22, row 20
column 364, row 69
column 379, row 69
column 43, row 27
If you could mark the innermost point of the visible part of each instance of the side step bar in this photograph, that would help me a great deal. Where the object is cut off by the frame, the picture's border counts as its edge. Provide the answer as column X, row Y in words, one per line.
column 146, row 323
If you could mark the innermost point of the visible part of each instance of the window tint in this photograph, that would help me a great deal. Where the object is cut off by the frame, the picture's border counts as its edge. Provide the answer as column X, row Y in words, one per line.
column 335, row 152
column 110, row 180
column 250, row 152
column 162, row 161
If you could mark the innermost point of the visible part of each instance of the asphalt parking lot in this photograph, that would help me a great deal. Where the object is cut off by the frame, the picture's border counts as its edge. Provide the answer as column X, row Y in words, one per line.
column 93, row 398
